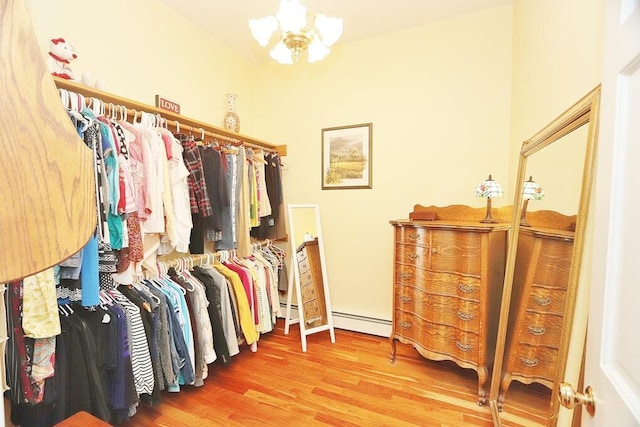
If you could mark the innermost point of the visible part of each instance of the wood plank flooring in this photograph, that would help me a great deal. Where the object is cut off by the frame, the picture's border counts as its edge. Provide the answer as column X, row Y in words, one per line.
column 349, row 383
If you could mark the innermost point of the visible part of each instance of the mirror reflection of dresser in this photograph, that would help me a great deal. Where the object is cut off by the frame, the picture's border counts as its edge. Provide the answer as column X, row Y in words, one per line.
column 538, row 301
column 541, row 318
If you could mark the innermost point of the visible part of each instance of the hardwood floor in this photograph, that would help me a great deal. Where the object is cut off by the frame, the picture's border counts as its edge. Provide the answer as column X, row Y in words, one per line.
column 349, row 383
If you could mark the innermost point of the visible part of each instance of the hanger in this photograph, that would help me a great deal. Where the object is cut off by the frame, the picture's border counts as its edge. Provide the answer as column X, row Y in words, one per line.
column 64, row 97
column 65, row 309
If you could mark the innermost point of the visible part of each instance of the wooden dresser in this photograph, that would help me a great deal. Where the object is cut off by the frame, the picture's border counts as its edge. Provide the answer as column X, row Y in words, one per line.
column 448, row 279
column 311, row 284
column 537, row 306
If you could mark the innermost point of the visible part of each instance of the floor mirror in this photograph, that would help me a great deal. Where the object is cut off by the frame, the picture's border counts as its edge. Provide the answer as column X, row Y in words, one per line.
column 542, row 280
column 309, row 281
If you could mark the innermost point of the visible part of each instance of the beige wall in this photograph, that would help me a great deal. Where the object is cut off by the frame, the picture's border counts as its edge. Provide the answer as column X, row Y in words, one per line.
column 140, row 54
column 439, row 100
column 557, row 57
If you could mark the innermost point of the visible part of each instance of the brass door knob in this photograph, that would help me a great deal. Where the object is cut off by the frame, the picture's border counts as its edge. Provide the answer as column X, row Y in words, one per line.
column 570, row 398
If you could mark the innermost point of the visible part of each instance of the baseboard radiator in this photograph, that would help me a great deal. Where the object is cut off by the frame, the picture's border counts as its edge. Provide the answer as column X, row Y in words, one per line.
column 352, row 322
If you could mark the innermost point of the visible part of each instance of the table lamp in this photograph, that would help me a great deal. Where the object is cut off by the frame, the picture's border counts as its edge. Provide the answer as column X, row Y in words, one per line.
column 489, row 189
column 531, row 190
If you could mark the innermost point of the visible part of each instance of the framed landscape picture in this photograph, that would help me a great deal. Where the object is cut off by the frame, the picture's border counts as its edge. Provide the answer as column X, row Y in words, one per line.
column 346, row 157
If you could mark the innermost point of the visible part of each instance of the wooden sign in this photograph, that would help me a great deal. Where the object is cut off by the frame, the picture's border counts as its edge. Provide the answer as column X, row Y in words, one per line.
column 167, row 104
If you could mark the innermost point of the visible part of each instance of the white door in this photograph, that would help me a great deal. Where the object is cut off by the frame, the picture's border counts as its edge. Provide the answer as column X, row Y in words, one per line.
column 613, row 341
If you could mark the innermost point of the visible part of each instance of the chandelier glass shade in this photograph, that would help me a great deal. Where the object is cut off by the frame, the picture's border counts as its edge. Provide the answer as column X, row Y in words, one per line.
column 296, row 36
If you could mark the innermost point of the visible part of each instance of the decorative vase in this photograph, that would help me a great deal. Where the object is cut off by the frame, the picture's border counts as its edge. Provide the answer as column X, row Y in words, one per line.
column 231, row 119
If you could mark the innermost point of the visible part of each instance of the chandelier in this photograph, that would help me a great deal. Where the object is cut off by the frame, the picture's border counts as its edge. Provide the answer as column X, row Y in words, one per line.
column 296, row 36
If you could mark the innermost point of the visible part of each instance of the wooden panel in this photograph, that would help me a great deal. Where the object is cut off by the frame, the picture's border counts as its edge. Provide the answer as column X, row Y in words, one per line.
column 46, row 180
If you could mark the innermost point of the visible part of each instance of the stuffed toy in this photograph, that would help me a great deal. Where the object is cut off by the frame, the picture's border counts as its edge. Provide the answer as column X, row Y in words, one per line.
column 60, row 54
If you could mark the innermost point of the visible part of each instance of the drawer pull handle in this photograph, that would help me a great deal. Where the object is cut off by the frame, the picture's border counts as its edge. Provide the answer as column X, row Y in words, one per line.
column 529, row 362
column 463, row 346
column 465, row 288
column 405, row 325
column 413, row 256
column 414, row 236
column 434, row 250
column 464, row 316
column 542, row 300
column 405, row 276
column 406, row 299
column 537, row 330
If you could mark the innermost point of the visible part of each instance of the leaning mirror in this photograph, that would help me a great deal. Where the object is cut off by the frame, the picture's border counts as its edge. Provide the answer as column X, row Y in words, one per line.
column 309, row 279
column 543, row 266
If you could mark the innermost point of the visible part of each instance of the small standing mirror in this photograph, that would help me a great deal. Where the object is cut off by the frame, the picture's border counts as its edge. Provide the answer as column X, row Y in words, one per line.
column 309, row 274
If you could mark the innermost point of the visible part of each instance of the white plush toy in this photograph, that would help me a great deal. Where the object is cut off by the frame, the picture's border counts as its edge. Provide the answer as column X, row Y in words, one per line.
column 60, row 54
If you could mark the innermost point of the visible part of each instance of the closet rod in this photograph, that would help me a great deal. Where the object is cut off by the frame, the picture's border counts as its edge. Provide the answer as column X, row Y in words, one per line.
column 199, row 259
column 184, row 122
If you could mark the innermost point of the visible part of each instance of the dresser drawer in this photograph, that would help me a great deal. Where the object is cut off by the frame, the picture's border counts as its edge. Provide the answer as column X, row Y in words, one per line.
column 301, row 255
column 412, row 236
column 306, row 278
column 303, row 264
column 440, row 309
column 308, row 292
column 535, row 363
column 457, row 252
column 545, row 300
column 554, row 262
column 312, row 312
column 439, row 283
column 445, row 340
column 541, row 329
column 414, row 255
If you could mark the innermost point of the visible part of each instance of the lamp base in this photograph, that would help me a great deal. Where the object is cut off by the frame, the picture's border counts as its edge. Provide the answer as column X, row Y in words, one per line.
column 523, row 214
column 489, row 219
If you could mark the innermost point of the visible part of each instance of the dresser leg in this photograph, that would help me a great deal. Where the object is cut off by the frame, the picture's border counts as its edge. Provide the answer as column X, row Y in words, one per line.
column 392, row 355
column 504, row 386
column 483, row 375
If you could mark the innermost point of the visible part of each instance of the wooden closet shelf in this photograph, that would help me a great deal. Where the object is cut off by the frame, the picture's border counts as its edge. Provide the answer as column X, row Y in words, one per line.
column 173, row 119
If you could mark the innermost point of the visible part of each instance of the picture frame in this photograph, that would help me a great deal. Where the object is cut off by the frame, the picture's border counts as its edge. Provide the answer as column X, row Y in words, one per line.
column 347, row 157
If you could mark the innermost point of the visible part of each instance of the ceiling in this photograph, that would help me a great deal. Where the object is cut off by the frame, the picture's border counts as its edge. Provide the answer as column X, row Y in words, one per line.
column 227, row 20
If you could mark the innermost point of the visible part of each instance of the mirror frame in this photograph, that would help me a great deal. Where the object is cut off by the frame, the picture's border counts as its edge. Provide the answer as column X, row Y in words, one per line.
column 295, row 277
column 585, row 111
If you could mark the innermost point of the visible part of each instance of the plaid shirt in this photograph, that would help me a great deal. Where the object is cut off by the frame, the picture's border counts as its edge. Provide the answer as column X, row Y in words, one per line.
column 198, row 195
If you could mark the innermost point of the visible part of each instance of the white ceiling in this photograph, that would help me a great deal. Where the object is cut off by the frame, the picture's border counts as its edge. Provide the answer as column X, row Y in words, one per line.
column 227, row 20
